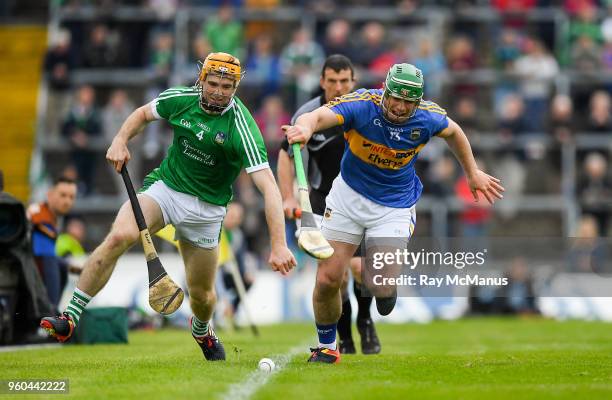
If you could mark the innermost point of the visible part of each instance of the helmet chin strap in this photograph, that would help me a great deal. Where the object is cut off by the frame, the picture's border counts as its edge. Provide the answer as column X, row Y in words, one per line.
column 210, row 108
column 387, row 112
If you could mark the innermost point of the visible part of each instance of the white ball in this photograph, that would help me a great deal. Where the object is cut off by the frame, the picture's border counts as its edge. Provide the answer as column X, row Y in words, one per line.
column 267, row 365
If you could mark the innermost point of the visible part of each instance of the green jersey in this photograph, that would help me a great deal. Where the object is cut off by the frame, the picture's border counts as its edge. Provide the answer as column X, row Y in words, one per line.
column 208, row 151
column 67, row 245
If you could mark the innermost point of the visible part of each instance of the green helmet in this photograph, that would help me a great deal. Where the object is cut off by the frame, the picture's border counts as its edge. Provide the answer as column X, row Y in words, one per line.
column 404, row 81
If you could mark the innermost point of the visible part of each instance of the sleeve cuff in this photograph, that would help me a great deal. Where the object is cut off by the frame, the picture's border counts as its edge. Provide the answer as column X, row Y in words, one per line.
column 442, row 130
column 153, row 106
column 256, row 168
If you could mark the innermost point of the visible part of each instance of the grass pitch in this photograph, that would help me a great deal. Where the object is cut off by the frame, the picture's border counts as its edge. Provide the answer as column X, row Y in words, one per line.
column 466, row 359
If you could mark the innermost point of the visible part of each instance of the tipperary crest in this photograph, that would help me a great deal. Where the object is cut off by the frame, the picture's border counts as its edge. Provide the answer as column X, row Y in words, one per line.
column 415, row 134
column 220, row 137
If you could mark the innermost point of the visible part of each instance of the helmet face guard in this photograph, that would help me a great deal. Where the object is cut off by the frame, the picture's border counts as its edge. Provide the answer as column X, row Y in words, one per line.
column 225, row 66
column 403, row 81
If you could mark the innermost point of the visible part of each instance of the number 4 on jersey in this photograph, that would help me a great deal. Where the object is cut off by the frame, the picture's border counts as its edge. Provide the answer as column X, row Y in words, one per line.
column 200, row 135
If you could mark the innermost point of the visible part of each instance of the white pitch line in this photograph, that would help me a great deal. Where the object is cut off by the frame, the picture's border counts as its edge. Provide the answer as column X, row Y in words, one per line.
column 257, row 379
column 7, row 349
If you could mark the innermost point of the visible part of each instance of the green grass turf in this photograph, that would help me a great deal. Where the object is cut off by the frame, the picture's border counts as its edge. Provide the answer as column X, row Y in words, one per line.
column 467, row 359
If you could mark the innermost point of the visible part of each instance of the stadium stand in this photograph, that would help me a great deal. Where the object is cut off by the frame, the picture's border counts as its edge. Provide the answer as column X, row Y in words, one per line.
column 22, row 52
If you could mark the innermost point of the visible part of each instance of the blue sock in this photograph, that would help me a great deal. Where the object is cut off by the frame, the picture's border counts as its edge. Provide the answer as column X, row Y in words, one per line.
column 327, row 335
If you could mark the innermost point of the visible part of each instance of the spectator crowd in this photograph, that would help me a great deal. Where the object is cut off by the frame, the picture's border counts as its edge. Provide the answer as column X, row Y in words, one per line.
column 524, row 103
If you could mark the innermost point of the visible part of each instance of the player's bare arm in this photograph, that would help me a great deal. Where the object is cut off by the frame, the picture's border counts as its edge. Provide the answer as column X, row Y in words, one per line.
column 307, row 123
column 281, row 259
column 118, row 152
column 286, row 172
column 478, row 180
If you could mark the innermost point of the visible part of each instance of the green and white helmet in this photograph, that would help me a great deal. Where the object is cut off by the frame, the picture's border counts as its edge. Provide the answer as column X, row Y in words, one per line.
column 404, row 81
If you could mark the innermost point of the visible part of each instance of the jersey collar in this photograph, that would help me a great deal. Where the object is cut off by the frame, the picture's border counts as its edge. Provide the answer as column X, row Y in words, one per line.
column 229, row 106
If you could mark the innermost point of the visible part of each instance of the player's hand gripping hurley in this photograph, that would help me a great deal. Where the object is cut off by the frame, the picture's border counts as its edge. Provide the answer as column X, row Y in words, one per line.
column 310, row 239
column 165, row 296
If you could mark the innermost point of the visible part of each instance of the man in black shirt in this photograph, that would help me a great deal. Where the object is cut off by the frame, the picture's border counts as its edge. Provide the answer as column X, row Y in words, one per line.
column 323, row 154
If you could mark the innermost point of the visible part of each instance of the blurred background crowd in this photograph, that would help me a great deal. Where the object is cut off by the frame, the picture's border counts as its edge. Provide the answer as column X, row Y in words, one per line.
column 528, row 80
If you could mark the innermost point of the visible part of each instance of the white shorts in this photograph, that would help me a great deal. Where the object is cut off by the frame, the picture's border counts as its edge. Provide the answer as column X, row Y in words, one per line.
column 195, row 220
column 349, row 216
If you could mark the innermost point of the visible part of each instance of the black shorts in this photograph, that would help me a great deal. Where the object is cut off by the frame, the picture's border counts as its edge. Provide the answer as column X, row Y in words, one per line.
column 317, row 202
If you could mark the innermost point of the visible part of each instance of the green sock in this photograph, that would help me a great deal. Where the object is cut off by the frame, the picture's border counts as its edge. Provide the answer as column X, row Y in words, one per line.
column 199, row 328
column 77, row 304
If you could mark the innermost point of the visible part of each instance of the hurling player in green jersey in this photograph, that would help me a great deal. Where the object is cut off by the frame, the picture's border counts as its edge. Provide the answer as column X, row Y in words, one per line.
column 215, row 137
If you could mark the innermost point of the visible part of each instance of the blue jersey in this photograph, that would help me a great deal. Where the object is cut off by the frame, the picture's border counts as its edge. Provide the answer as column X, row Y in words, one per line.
column 379, row 156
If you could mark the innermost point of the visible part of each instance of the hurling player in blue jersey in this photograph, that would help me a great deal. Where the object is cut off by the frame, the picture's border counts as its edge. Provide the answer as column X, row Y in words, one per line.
column 377, row 188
